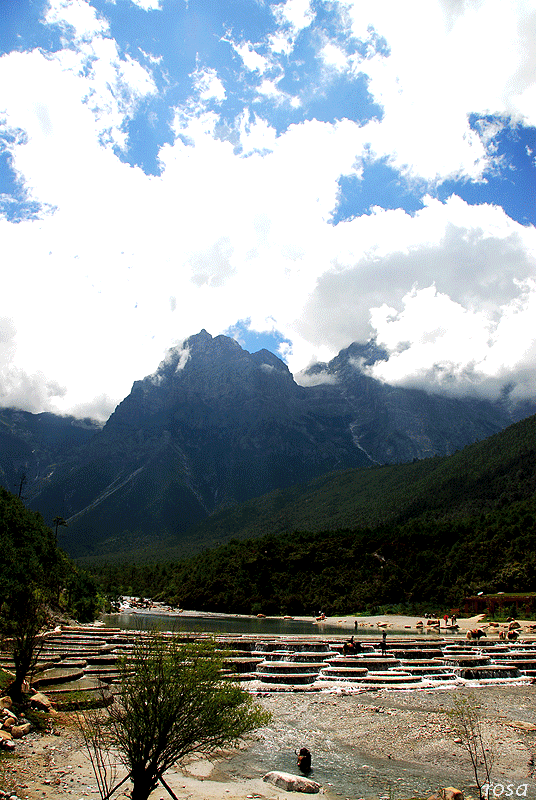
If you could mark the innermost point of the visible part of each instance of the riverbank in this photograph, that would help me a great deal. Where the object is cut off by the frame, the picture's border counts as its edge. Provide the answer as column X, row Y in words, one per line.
column 386, row 744
column 401, row 623
column 362, row 625
column 366, row 744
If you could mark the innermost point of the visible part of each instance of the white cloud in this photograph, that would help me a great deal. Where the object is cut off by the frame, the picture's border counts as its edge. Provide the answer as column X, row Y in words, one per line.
column 69, row 104
column 439, row 345
column 256, row 135
column 148, row 5
column 315, row 379
column 334, row 57
column 443, row 65
column 293, row 16
column 18, row 388
column 128, row 264
column 252, row 60
column 297, row 14
column 208, row 85
column 474, row 255
column 268, row 88
column 76, row 17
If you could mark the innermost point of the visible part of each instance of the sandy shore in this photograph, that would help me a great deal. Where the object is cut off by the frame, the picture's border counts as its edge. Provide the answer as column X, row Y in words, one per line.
column 407, row 623
column 365, row 624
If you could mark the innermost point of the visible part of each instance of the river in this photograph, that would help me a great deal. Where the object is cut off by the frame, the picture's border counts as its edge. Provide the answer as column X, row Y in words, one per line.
column 380, row 744
column 206, row 622
column 219, row 624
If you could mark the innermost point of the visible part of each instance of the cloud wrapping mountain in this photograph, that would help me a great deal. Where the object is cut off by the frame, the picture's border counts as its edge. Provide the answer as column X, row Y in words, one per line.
column 214, row 426
column 312, row 172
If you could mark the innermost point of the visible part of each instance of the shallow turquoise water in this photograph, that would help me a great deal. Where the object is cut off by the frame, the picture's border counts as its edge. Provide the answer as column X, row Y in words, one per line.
column 215, row 624
column 212, row 623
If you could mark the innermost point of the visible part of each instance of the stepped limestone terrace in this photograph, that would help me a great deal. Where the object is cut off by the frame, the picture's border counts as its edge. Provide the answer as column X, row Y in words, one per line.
column 80, row 662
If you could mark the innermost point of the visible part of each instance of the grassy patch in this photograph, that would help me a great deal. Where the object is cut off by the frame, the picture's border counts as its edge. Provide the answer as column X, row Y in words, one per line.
column 5, row 679
column 41, row 721
column 79, row 701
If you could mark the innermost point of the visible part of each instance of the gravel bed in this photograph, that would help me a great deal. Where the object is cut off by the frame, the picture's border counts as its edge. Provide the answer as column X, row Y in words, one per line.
column 384, row 744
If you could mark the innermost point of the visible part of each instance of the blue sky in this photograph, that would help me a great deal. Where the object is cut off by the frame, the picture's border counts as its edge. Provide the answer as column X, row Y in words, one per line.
column 298, row 174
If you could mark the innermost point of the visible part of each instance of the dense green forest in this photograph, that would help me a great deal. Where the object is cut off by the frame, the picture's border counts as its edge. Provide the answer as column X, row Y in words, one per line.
column 34, row 572
column 436, row 531
column 409, row 566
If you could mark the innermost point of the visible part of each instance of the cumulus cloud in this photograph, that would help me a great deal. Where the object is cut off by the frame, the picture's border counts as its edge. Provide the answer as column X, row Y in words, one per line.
column 28, row 392
column 77, row 18
column 473, row 255
column 457, row 73
column 238, row 224
column 456, row 350
column 208, row 85
column 147, row 5
column 99, row 408
column 252, row 60
column 294, row 15
column 19, row 389
column 315, row 378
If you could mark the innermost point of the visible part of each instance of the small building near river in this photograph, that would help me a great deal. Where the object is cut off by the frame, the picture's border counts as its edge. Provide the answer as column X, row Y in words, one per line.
column 501, row 603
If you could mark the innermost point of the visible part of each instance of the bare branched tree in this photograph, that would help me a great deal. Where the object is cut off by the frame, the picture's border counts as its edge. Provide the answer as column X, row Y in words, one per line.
column 174, row 701
column 92, row 724
column 466, row 720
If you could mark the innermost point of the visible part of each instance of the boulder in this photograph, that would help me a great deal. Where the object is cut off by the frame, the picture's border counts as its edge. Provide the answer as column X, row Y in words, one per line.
column 41, row 701
column 522, row 725
column 292, row 783
column 5, row 735
column 6, row 702
column 449, row 793
column 18, row 731
column 6, row 713
column 6, row 744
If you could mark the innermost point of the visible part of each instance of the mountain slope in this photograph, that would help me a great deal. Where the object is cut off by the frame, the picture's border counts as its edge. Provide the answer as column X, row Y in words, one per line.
column 203, row 432
column 394, row 424
column 215, row 426
column 498, row 470
column 463, row 524
column 31, row 445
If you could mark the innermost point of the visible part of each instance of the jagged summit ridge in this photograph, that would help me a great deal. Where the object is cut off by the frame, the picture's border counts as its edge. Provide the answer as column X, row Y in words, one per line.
column 202, row 352
column 357, row 355
column 215, row 425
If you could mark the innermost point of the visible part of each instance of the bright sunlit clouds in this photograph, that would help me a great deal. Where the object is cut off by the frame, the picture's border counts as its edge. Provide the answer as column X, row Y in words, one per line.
column 299, row 175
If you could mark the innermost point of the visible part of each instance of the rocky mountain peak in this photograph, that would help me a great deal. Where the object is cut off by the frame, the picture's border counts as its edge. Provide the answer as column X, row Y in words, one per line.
column 215, row 425
column 356, row 358
column 203, row 344
column 213, row 372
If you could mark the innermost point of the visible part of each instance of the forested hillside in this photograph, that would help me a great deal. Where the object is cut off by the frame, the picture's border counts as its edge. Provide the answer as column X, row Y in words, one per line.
column 473, row 481
column 35, row 575
column 465, row 524
column 216, row 426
